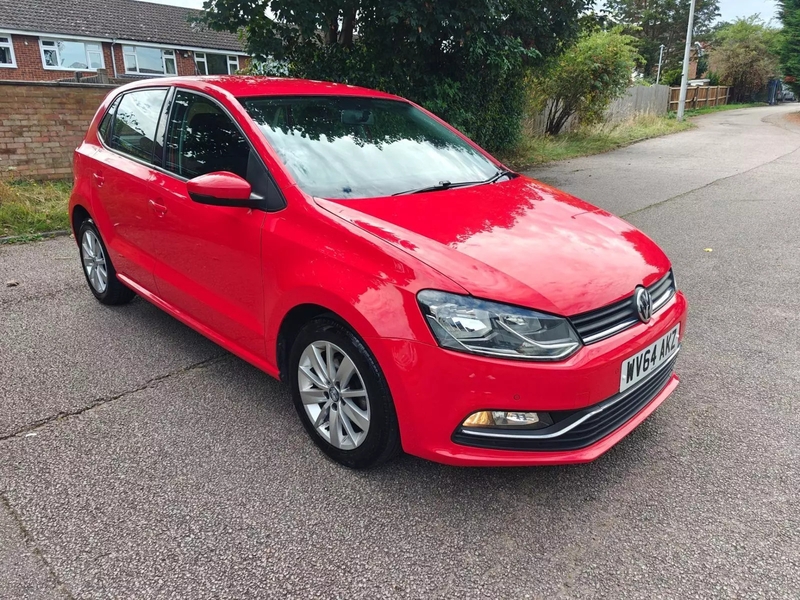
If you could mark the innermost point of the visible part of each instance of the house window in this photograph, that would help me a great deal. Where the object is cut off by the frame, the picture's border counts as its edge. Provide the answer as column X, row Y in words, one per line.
column 6, row 51
column 216, row 64
column 71, row 55
column 141, row 60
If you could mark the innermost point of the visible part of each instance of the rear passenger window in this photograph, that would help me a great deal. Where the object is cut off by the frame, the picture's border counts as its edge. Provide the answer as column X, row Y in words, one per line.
column 105, row 124
column 136, row 121
column 202, row 138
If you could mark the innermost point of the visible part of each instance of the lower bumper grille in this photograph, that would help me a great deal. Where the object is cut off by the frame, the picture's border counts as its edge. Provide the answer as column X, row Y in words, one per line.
column 572, row 430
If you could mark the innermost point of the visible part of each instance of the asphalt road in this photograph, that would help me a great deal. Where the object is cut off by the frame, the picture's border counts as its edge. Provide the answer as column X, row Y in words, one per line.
column 138, row 460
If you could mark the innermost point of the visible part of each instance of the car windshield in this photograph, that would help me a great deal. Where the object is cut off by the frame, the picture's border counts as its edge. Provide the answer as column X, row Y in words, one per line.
column 352, row 147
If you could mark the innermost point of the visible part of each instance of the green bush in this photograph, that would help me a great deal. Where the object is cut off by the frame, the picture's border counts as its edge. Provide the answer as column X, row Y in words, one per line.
column 745, row 53
column 671, row 77
column 585, row 78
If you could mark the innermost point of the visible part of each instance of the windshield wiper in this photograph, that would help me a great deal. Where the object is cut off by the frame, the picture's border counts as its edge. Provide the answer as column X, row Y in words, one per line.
column 446, row 185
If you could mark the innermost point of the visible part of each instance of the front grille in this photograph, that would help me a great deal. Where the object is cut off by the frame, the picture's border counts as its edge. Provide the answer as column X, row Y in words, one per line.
column 603, row 418
column 604, row 322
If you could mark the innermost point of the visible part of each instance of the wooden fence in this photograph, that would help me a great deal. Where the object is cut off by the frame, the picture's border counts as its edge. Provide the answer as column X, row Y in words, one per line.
column 637, row 100
column 699, row 96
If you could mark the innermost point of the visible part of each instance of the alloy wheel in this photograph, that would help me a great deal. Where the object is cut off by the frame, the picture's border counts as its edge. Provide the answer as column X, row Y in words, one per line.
column 334, row 395
column 94, row 261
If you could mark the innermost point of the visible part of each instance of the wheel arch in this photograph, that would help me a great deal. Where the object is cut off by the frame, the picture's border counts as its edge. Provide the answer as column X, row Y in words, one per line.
column 291, row 324
column 78, row 216
column 293, row 321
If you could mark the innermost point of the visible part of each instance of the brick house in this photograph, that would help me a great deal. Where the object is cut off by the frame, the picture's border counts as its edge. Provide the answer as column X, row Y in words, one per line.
column 127, row 38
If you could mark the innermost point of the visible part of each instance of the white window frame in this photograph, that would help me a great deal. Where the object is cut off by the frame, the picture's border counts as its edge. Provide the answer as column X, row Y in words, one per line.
column 166, row 54
column 10, row 46
column 231, row 60
column 55, row 40
column 200, row 57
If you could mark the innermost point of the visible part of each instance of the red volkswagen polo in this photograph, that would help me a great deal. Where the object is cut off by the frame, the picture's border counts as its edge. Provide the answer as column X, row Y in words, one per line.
column 412, row 291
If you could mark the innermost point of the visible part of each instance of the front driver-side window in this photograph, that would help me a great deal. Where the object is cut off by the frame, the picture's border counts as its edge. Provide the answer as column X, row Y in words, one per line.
column 201, row 139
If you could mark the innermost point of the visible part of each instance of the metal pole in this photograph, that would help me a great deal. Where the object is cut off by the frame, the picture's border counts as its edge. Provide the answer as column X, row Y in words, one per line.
column 660, row 57
column 687, row 50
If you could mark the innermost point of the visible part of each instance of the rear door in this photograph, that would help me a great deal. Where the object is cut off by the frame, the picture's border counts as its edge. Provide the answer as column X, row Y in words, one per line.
column 208, row 258
column 123, row 172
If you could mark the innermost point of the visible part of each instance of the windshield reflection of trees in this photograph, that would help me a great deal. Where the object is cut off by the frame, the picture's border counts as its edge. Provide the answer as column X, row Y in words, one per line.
column 390, row 122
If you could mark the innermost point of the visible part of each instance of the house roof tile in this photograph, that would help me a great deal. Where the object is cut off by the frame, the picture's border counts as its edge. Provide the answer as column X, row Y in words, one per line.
column 130, row 20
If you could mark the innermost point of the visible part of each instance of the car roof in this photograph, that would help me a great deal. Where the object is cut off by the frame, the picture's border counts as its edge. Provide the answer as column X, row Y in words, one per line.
column 242, row 86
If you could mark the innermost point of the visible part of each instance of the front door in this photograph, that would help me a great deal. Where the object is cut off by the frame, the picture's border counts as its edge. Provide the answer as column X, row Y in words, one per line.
column 208, row 258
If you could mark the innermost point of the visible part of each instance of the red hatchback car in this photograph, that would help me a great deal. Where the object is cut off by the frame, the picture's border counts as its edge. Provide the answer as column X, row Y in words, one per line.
column 412, row 291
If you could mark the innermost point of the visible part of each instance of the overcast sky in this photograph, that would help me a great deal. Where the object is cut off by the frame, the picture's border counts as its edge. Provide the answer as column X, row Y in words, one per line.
column 730, row 9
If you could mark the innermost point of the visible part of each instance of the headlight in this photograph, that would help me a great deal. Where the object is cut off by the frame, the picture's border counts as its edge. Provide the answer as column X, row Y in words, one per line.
column 471, row 325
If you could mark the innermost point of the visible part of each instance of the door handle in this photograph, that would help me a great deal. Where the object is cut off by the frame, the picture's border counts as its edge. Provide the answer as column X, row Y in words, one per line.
column 99, row 179
column 159, row 209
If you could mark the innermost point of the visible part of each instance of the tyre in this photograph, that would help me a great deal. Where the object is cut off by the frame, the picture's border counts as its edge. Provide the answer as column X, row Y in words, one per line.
column 98, row 269
column 342, row 396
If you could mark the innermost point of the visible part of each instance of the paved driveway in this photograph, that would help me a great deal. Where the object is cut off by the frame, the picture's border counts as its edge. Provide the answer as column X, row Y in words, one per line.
column 138, row 460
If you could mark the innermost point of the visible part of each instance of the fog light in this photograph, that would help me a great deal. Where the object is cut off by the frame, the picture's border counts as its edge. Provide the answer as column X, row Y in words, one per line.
column 509, row 419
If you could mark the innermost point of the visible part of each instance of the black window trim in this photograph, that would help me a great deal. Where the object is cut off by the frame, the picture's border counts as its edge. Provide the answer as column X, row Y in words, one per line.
column 112, row 112
column 169, row 104
column 161, row 129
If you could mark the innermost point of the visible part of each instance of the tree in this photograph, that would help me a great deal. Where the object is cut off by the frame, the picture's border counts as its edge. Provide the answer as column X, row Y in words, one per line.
column 585, row 78
column 656, row 22
column 745, row 54
column 465, row 60
column 789, row 45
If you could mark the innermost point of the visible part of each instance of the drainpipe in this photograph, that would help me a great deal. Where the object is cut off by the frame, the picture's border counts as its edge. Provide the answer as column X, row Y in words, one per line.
column 113, row 58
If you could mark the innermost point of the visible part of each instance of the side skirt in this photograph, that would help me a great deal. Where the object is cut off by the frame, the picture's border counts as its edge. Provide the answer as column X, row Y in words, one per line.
column 254, row 360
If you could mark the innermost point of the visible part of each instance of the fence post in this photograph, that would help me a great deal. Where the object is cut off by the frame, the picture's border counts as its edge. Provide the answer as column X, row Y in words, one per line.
column 102, row 76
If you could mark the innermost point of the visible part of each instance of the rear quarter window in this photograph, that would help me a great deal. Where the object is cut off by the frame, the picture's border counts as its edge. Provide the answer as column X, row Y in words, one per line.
column 136, row 122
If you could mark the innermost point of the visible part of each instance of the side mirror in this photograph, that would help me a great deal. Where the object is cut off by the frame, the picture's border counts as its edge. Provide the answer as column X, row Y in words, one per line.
column 222, row 188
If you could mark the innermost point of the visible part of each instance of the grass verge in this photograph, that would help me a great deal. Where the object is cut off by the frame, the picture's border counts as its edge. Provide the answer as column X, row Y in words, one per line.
column 28, row 208
column 535, row 150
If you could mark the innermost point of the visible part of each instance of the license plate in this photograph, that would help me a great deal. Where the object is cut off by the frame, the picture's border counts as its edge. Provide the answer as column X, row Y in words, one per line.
column 643, row 363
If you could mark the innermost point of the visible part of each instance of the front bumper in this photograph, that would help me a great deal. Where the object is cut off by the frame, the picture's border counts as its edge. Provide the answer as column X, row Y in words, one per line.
column 436, row 389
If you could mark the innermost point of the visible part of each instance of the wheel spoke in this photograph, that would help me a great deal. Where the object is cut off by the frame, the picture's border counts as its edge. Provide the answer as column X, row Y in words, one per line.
column 318, row 363
column 355, row 414
column 323, row 415
column 354, row 394
column 308, row 372
column 329, row 359
column 335, row 428
column 313, row 396
column 344, row 372
column 348, row 427
column 87, row 248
